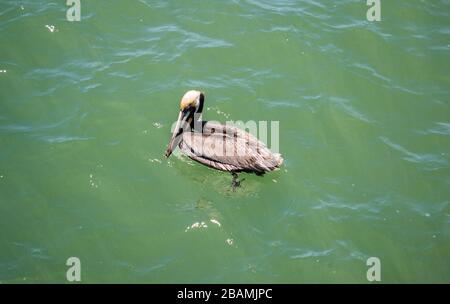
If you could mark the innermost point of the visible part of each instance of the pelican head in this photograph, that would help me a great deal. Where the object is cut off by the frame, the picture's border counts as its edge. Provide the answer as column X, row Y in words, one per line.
column 191, row 104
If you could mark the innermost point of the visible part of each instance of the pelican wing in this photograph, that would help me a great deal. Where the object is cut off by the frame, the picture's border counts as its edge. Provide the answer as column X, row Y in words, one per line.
column 228, row 148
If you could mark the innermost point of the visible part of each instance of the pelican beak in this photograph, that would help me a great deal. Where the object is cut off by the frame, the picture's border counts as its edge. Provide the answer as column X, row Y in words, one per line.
column 175, row 140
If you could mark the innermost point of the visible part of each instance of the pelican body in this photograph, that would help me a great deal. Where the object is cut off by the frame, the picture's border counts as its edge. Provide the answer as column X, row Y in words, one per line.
column 219, row 146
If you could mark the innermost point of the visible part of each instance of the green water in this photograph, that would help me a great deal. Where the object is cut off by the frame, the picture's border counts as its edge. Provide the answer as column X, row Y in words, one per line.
column 85, row 115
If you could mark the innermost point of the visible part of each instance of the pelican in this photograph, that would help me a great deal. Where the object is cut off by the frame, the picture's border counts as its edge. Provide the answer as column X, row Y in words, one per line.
column 219, row 146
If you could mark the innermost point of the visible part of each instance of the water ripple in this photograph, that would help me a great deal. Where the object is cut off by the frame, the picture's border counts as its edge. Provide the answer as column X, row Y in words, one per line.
column 346, row 106
column 441, row 128
column 432, row 161
column 63, row 138
column 311, row 254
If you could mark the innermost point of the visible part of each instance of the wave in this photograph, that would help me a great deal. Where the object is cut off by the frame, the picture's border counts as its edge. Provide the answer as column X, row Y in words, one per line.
column 432, row 161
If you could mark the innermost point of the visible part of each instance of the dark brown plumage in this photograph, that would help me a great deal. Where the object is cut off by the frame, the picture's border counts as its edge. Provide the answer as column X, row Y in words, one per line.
column 229, row 149
column 219, row 146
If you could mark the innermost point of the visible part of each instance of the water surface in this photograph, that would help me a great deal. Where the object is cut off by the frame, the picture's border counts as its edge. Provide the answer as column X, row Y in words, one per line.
column 85, row 115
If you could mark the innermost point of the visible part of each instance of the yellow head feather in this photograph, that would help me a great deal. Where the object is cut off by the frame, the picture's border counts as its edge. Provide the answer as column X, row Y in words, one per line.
column 189, row 99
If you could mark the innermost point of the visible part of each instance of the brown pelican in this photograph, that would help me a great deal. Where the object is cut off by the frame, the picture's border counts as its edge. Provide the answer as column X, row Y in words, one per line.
column 219, row 146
